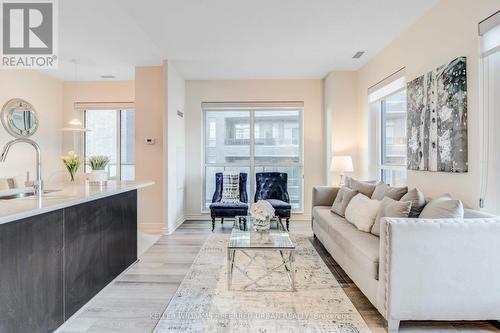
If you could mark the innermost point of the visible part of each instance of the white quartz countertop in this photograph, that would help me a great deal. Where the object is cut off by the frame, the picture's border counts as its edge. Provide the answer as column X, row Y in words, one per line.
column 61, row 197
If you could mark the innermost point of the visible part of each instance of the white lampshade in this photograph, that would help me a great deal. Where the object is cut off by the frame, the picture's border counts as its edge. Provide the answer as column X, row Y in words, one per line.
column 75, row 125
column 341, row 164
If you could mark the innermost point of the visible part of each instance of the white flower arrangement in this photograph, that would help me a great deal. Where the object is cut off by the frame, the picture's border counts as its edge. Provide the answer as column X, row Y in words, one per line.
column 261, row 210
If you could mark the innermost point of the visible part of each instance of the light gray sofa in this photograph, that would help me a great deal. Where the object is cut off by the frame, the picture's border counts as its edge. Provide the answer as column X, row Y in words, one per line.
column 419, row 269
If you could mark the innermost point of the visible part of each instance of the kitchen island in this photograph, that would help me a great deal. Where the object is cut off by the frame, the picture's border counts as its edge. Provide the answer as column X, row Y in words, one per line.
column 59, row 250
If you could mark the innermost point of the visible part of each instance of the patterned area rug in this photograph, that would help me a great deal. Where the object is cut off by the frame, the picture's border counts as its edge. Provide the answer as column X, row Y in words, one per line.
column 204, row 304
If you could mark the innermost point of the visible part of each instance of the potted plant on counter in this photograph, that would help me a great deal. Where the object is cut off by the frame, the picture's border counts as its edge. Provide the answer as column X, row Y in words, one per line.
column 98, row 165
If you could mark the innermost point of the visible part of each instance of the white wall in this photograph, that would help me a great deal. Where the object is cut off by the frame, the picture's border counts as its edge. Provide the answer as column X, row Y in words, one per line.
column 45, row 94
column 447, row 31
column 341, row 118
column 174, row 132
column 308, row 91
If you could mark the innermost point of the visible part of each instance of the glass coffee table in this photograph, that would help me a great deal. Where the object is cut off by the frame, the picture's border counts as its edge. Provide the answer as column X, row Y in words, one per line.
column 245, row 239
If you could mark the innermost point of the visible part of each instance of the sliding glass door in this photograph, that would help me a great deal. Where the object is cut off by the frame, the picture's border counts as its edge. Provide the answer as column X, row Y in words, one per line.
column 254, row 140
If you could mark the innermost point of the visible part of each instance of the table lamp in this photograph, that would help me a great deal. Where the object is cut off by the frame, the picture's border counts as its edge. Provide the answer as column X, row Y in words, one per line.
column 341, row 164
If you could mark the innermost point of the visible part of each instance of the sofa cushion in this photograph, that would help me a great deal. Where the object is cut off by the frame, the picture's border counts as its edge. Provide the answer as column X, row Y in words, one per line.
column 226, row 209
column 342, row 199
column 383, row 190
column 417, row 199
column 361, row 247
column 390, row 208
column 443, row 207
column 362, row 211
column 230, row 187
column 362, row 187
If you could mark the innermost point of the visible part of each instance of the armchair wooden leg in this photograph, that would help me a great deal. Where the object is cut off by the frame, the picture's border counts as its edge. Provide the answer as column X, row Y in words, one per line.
column 288, row 224
column 222, row 220
column 213, row 224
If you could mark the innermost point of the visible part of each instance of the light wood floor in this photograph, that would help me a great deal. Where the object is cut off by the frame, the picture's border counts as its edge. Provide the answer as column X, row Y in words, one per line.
column 137, row 298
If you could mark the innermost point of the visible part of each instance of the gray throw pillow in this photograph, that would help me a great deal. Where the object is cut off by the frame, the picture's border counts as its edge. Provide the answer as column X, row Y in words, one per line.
column 342, row 199
column 443, row 207
column 383, row 190
column 390, row 208
column 362, row 187
column 417, row 199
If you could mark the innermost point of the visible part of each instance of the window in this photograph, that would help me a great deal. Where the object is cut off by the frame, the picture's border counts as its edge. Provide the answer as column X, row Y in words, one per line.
column 388, row 105
column 251, row 140
column 112, row 133
column 489, row 31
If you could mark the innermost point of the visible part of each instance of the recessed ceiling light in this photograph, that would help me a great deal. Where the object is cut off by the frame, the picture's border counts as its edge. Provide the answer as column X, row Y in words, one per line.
column 108, row 77
column 358, row 54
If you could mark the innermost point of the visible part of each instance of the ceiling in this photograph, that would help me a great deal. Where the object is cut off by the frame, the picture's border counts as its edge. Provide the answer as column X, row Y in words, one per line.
column 226, row 39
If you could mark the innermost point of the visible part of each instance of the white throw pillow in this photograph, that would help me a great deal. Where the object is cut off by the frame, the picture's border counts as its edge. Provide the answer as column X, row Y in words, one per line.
column 362, row 211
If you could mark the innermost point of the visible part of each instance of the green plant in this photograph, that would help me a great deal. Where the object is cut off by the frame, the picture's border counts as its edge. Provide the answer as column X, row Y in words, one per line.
column 72, row 162
column 98, row 162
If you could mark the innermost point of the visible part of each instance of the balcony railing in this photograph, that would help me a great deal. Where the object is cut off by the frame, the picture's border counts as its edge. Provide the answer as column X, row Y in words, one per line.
column 261, row 142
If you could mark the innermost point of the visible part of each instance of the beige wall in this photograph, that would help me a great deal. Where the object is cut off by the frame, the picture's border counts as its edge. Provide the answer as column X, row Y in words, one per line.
column 446, row 31
column 308, row 91
column 174, row 133
column 341, row 112
column 149, row 117
column 45, row 94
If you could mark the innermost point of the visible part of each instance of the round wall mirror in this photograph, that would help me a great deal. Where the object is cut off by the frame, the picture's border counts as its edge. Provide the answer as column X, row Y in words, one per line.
column 19, row 118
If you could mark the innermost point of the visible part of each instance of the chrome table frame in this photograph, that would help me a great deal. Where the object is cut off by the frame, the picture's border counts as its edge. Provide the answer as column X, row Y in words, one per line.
column 287, row 261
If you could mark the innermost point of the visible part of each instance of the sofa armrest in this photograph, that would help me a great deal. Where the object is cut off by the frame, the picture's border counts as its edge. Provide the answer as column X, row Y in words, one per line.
column 324, row 195
column 445, row 269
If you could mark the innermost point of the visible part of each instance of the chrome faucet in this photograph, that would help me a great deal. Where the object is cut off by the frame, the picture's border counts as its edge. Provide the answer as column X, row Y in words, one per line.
column 38, row 183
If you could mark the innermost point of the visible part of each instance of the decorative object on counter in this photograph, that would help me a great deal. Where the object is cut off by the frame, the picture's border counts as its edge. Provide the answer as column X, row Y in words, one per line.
column 262, row 211
column 72, row 162
column 341, row 164
column 19, row 118
column 98, row 164
column 437, row 119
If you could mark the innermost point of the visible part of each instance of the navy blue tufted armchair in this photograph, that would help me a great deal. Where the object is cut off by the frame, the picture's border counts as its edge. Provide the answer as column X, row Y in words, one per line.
column 272, row 187
column 219, row 209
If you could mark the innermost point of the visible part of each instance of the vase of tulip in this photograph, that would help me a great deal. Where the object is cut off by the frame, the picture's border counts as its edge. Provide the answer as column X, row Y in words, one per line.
column 262, row 212
column 72, row 162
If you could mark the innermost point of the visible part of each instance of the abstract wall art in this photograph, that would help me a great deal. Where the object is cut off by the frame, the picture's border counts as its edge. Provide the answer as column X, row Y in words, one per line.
column 437, row 119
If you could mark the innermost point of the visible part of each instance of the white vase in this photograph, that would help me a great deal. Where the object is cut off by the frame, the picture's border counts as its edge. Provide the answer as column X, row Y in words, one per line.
column 98, row 176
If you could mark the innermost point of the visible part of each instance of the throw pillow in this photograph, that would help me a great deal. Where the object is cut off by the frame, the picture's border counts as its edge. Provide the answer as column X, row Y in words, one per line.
column 342, row 199
column 417, row 199
column 362, row 211
column 390, row 208
column 383, row 190
column 362, row 187
column 230, row 187
column 443, row 207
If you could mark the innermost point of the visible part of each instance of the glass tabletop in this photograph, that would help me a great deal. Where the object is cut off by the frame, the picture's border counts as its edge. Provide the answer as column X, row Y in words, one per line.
column 244, row 236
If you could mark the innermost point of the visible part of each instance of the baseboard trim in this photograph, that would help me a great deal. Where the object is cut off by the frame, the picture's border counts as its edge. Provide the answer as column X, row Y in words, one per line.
column 150, row 227
column 168, row 230
column 206, row 217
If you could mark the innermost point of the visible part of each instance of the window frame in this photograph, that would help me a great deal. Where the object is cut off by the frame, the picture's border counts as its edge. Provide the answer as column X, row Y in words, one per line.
column 381, row 167
column 118, row 124
column 251, row 163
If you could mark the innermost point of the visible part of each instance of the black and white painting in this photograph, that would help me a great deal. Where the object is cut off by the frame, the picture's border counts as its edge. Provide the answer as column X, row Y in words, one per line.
column 437, row 119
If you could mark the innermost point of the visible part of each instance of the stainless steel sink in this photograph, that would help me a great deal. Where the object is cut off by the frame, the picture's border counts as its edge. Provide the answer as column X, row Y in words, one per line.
column 23, row 195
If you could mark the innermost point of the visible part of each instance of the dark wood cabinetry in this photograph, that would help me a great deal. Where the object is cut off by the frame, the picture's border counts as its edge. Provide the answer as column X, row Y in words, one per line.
column 52, row 264
column 100, row 243
column 31, row 281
